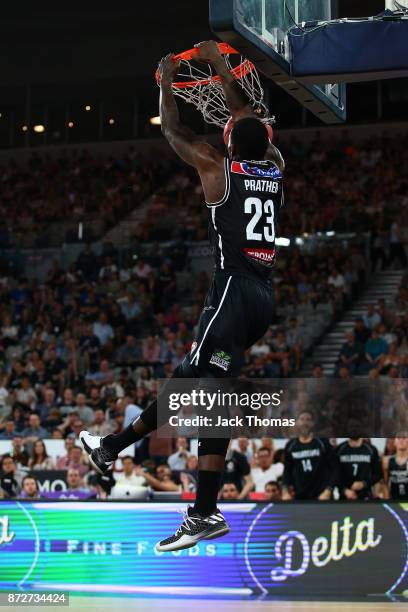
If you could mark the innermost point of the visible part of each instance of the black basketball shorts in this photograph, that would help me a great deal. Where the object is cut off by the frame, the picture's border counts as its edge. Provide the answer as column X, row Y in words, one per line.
column 237, row 312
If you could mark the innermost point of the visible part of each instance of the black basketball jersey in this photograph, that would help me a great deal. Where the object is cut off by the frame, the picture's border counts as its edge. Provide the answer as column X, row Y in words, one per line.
column 358, row 463
column 308, row 466
column 398, row 479
column 242, row 224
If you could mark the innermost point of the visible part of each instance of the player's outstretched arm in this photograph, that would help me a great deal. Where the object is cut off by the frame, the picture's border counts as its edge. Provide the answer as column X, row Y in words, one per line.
column 237, row 101
column 182, row 139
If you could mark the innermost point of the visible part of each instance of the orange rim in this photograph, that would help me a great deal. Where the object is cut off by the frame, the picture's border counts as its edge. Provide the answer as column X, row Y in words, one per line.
column 225, row 49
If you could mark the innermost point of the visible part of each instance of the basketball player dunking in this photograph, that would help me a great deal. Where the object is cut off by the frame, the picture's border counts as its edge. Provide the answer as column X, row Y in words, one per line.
column 243, row 193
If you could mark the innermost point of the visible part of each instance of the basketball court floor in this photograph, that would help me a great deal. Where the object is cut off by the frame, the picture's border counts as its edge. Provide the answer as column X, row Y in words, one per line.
column 118, row 604
column 203, row 605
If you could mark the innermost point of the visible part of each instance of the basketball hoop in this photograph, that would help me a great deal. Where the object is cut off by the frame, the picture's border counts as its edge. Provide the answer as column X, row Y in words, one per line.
column 199, row 85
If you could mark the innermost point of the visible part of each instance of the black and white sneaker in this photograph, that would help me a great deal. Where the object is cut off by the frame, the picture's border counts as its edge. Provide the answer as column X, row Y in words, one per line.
column 217, row 519
column 193, row 529
column 100, row 458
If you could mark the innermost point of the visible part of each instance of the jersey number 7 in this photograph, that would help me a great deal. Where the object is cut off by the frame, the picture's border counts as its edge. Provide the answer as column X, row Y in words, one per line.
column 260, row 211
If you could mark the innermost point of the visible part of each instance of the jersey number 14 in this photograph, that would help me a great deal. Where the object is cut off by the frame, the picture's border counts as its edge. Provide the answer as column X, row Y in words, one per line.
column 260, row 210
column 307, row 465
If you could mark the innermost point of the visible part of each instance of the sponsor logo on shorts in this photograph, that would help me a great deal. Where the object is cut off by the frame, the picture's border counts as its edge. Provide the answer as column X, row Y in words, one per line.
column 266, row 256
column 193, row 346
column 220, row 359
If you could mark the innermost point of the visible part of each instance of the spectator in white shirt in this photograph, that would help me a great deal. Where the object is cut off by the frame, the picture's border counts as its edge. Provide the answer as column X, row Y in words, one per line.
column 9, row 331
column 371, row 318
column 26, row 394
column 67, row 401
column 260, row 349
column 130, row 307
column 178, row 460
column 85, row 412
column 336, row 279
column 108, row 269
column 128, row 476
column 102, row 330
column 141, row 269
column 112, row 388
column 266, row 470
column 40, row 460
column 4, row 395
column 131, row 410
column 125, row 274
column 386, row 335
column 100, row 426
column 242, row 445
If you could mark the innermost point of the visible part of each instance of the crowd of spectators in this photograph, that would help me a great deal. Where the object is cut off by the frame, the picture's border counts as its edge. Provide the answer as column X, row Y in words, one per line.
column 254, row 470
column 378, row 343
column 84, row 348
column 46, row 192
column 73, row 346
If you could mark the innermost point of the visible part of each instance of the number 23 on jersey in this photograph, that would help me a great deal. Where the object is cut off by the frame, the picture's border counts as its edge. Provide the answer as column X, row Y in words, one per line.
column 261, row 226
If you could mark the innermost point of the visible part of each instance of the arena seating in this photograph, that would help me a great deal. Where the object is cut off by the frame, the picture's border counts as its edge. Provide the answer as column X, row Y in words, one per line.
column 109, row 325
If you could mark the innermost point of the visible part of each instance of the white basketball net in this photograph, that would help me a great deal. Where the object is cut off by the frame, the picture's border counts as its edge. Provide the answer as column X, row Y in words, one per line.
column 207, row 95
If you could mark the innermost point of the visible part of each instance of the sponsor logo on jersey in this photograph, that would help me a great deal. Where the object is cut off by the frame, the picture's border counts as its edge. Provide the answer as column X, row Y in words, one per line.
column 221, row 359
column 266, row 256
column 271, row 171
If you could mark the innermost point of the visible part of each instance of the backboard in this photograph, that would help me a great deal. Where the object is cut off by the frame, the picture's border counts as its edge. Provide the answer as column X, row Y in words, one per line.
column 259, row 28
column 270, row 20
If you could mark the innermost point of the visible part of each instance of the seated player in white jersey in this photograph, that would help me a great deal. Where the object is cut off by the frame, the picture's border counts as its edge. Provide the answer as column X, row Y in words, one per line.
column 243, row 193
